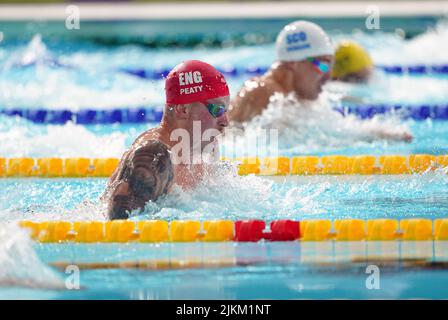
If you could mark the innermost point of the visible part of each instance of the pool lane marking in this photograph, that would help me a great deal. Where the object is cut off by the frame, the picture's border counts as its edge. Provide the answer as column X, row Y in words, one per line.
column 274, row 166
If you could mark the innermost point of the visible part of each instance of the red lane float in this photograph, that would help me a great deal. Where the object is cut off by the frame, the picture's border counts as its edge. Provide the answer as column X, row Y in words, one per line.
column 254, row 230
column 249, row 230
column 285, row 230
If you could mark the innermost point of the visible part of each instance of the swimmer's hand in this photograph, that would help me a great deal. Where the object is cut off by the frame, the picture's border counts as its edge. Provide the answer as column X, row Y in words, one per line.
column 146, row 173
column 395, row 136
column 406, row 137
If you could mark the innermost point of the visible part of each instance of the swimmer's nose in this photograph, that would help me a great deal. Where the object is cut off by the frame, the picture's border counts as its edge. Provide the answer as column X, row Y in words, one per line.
column 223, row 121
column 326, row 77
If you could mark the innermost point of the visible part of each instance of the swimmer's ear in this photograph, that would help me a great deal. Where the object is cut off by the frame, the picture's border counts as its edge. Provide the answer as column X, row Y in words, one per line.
column 180, row 111
column 288, row 75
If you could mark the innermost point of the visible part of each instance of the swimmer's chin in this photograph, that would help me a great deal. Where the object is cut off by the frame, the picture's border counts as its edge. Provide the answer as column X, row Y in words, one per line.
column 218, row 136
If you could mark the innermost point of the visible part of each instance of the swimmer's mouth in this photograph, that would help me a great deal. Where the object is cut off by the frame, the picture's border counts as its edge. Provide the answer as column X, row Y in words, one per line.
column 321, row 84
column 221, row 130
column 221, row 133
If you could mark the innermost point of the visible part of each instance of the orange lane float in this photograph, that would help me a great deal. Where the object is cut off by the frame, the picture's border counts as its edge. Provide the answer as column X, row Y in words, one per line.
column 270, row 166
column 154, row 231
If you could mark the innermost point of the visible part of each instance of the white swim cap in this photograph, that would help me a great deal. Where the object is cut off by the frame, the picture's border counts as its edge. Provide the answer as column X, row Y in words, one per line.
column 302, row 39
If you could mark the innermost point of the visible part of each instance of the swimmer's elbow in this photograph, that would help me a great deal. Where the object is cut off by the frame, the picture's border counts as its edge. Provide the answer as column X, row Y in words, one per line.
column 403, row 136
column 118, row 213
column 120, row 202
column 408, row 137
column 239, row 113
column 146, row 176
column 393, row 136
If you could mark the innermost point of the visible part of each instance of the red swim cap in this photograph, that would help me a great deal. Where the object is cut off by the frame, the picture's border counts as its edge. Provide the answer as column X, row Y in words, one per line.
column 194, row 81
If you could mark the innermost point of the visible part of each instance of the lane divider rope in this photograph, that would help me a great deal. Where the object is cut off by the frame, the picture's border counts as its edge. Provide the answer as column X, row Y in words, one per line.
column 232, row 71
column 269, row 166
column 154, row 114
column 87, row 116
column 122, row 231
column 415, row 112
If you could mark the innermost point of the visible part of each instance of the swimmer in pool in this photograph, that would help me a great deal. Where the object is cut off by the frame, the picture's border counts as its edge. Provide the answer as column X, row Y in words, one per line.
column 304, row 61
column 352, row 63
column 197, row 97
column 305, row 56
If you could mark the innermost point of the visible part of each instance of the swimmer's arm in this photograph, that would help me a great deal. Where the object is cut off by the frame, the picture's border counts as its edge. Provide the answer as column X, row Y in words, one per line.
column 146, row 174
column 124, row 158
column 114, row 175
column 244, row 109
column 382, row 133
column 236, row 108
column 249, row 102
column 352, row 100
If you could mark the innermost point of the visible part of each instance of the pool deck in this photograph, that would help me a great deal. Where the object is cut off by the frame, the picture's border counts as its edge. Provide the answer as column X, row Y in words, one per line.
column 227, row 10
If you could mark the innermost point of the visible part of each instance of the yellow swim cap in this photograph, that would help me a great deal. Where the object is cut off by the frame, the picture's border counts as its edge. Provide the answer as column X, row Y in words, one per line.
column 349, row 58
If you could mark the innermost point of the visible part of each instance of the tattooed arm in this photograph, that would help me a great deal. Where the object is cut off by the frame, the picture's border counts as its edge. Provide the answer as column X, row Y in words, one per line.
column 145, row 173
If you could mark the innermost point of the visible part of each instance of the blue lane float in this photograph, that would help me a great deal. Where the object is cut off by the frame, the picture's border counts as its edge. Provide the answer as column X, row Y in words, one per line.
column 231, row 71
column 160, row 74
column 416, row 112
column 88, row 116
column 154, row 114
column 415, row 69
column 234, row 72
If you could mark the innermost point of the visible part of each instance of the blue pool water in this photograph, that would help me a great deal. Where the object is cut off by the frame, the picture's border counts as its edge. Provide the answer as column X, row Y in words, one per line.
column 242, row 198
column 279, row 271
column 44, row 72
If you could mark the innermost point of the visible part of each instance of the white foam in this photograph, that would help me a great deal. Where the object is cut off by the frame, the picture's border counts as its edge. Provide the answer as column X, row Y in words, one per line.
column 55, row 94
column 19, row 264
column 224, row 194
column 69, row 140
column 388, row 89
column 429, row 47
column 90, row 79
column 54, row 82
column 307, row 127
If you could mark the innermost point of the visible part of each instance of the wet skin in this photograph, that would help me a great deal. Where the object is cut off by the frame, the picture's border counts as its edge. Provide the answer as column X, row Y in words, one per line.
column 301, row 78
column 146, row 171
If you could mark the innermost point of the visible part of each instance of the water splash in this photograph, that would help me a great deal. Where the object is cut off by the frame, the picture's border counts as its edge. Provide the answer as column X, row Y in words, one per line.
column 51, row 199
column 36, row 53
column 92, row 80
column 34, row 76
column 19, row 264
column 429, row 47
column 388, row 48
column 21, row 139
column 389, row 89
column 309, row 127
column 226, row 195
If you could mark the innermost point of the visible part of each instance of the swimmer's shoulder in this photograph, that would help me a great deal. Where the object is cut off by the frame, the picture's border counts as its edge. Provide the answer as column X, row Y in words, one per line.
column 150, row 136
column 251, row 100
column 251, row 91
column 254, row 85
column 147, row 136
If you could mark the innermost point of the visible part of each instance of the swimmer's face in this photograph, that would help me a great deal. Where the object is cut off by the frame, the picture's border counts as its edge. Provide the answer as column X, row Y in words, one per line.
column 308, row 78
column 219, row 122
column 199, row 112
